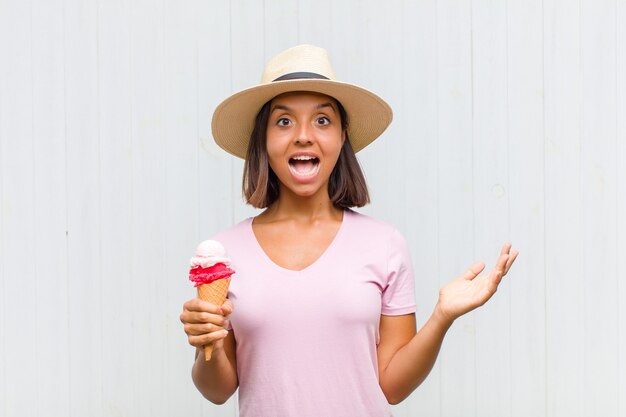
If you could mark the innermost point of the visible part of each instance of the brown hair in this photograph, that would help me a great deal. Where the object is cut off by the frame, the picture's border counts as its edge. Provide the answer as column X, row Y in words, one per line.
column 346, row 187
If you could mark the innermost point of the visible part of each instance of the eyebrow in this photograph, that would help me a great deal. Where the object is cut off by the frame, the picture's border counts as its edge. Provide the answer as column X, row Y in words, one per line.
column 280, row 107
column 328, row 104
column 318, row 107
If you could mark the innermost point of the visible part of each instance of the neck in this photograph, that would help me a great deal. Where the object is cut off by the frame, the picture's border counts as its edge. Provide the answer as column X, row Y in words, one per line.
column 317, row 207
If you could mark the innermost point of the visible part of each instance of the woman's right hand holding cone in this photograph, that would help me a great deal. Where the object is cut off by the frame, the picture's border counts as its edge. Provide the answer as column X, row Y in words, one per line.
column 205, row 322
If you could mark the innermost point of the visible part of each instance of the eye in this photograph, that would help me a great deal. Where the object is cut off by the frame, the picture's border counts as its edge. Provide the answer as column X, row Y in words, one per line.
column 323, row 121
column 283, row 121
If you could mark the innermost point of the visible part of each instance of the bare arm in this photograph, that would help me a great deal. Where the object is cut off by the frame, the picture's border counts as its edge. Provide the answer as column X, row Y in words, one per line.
column 405, row 357
column 404, row 366
column 216, row 379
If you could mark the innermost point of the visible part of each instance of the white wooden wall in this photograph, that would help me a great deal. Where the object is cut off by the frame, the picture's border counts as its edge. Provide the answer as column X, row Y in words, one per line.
column 510, row 124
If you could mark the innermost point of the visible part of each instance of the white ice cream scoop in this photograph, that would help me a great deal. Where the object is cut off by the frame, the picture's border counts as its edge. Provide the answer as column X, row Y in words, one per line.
column 209, row 253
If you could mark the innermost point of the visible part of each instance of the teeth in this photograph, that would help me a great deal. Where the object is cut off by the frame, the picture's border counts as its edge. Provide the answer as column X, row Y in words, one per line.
column 309, row 168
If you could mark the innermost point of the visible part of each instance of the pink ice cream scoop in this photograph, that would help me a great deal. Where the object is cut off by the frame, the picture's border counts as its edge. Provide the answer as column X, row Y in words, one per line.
column 209, row 264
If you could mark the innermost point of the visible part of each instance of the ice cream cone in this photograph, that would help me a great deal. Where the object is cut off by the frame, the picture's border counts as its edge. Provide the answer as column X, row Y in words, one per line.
column 215, row 293
column 211, row 272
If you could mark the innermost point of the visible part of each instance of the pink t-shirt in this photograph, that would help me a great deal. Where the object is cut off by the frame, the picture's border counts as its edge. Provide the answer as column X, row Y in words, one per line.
column 306, row 340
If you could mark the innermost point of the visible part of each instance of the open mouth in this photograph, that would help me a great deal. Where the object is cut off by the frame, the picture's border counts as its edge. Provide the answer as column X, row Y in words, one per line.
column 304, row 165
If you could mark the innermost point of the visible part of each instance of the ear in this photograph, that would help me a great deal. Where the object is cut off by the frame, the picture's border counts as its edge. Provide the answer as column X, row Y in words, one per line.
column 343, row 137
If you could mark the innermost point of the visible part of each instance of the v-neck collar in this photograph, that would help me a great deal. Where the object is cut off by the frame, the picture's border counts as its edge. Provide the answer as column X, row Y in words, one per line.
column 320, row 260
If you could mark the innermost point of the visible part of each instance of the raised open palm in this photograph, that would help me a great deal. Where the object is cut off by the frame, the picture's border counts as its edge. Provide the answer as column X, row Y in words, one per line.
column 470, row 290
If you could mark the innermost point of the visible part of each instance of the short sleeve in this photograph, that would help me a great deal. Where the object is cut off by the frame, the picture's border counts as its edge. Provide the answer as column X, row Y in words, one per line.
column 399, row 294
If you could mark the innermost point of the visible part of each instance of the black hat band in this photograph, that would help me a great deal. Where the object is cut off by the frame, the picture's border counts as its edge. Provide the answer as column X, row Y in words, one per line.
column 300, row 76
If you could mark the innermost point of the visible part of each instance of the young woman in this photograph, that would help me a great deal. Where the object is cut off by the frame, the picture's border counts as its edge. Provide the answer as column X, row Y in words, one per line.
column 320, row 318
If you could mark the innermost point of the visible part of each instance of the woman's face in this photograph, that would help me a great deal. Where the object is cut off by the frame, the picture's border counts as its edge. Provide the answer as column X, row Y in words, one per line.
column 304, row 139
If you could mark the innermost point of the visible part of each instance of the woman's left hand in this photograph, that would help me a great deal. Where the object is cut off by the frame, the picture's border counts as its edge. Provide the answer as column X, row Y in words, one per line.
column 469, row 291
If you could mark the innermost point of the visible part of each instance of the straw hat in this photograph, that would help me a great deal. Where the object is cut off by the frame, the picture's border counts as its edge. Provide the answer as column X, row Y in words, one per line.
column 301, row 68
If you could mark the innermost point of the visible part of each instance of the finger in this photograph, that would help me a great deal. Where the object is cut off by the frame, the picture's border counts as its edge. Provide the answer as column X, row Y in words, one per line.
column 512, row 258
column 227, row 307
column 201, row 317
column 202, row 306
column 506, row 249
column 498, row 271
column 473, row 271
column 501, row 262
column 198, row 329
column 205, row 339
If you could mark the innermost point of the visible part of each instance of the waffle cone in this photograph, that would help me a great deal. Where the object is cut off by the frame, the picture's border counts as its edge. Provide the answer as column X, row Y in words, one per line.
column 214, row 293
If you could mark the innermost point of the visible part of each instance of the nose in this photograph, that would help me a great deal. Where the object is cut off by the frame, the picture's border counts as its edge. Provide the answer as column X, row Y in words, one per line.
column 304, row 134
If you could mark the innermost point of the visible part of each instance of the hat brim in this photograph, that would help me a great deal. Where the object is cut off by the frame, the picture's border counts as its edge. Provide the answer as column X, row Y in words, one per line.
column 234, row 118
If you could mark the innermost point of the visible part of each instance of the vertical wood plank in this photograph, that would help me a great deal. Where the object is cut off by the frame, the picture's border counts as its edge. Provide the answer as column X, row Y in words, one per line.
column 491, row 202
column 385, row 158
column 181, row 132
column 280, row 27
column 146, row 277
column 18, row 201
column 3, row 210
column 620, row 155
column 417, row 118
column 83, row 204
column 311, row 28
column 527, row 279
column 599, row 192
column 248, row 55
column 455, row 179
column 115, row 145
column 4, row 206
column 565, row 312
column 216, row 191
column 155, row 314
column 50, row 198
column 347, row 45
